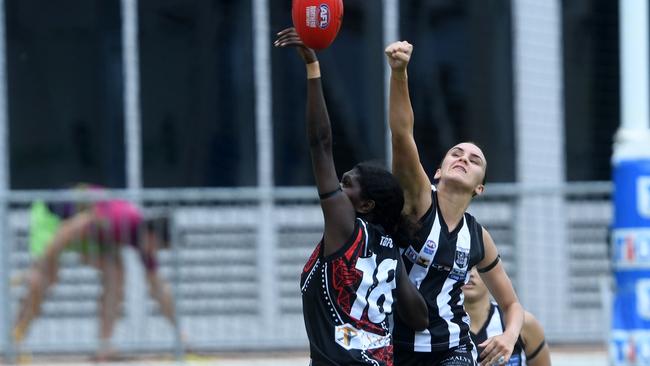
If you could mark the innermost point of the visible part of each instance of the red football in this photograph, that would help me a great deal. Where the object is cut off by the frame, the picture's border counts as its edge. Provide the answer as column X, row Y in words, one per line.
column 317, row 21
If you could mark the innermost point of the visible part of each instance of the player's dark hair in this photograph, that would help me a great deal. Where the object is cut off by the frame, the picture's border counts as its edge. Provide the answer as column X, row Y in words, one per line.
column 379, row 185
column 159, row 225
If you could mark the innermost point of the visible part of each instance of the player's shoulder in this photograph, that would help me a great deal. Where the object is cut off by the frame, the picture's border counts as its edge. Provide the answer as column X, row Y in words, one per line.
column 369, row 227
column 472, row 221
column 378, row 240
column 532, row 331
column 495, row 309
column 531, row 322
column 475, row 228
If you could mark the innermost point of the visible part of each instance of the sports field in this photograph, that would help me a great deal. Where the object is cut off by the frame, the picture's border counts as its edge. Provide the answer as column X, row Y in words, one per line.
column 561, row 356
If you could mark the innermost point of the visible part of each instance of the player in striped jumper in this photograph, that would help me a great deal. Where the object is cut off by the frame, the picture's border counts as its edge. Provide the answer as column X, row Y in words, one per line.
column 487, row 321
column 447, row 241
column 355, row 275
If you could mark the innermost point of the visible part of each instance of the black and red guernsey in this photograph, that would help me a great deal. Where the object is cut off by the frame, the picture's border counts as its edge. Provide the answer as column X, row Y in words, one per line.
column 347, row 297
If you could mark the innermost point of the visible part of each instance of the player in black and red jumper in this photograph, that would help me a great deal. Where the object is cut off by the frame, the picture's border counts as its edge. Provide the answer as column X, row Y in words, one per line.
column 355, row 276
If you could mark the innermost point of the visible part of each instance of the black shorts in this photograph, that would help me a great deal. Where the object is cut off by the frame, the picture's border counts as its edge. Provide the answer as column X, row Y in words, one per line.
column 463, row 355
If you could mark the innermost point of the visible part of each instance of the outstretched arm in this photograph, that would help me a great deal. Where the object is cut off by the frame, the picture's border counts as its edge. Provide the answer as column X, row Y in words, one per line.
column 535, row 347
column 338, row 211
column 411, row 306
column 406, row 160
column 498, row 282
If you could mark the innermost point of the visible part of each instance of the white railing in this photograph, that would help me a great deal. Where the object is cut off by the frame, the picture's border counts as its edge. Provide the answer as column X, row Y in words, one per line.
column 217, row 272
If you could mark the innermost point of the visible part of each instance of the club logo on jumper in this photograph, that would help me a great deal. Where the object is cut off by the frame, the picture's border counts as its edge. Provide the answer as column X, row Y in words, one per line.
column 350, row 337
column 430, row 247
column 461, row 258
column 422, row 261
column 344, row 335
column 324, row 16
column 386, row 242
column 411, row 254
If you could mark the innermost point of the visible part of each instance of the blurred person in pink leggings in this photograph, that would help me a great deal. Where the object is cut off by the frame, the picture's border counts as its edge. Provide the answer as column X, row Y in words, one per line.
column 96, row 231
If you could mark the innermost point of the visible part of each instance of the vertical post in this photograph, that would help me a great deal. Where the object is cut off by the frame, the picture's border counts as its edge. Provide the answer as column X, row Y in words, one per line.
column 391, row 34
column 633, row 37
column 540, row 225
column 266, row 235
column 131, row 64
column 135, row 292
column 5, row 246
column 630, row 334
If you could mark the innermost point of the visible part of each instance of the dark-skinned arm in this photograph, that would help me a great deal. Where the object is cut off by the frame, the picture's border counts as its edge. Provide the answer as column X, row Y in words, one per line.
column 338, row 211
column 411, row 307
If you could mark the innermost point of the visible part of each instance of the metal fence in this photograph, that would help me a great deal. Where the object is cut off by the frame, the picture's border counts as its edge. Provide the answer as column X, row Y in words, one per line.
column 237, row 255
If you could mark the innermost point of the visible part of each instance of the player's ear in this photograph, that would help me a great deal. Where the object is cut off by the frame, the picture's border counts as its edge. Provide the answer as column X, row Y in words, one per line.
column 479, row 190
column 366, row 206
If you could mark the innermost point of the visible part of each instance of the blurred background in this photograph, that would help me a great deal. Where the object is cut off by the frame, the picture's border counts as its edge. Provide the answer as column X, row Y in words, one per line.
column 184, row 106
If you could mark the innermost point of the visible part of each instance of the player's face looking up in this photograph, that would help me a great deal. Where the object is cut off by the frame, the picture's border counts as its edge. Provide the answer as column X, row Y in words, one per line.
column 464, row 165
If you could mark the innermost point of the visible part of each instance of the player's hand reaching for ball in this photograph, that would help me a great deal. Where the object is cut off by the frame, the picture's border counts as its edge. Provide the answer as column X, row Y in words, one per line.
column 289, row 38
column 399, row 55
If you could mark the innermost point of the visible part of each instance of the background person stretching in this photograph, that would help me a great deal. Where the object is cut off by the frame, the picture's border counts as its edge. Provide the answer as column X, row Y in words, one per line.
column 96, row 231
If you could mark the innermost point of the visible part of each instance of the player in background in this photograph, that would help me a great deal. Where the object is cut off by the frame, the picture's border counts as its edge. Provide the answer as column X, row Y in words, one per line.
column 96, row 231
column 487, row 321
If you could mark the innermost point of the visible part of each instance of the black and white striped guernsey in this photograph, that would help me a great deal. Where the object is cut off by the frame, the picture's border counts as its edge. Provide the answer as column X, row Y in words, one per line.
column 438, row 263
column 494, row 326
